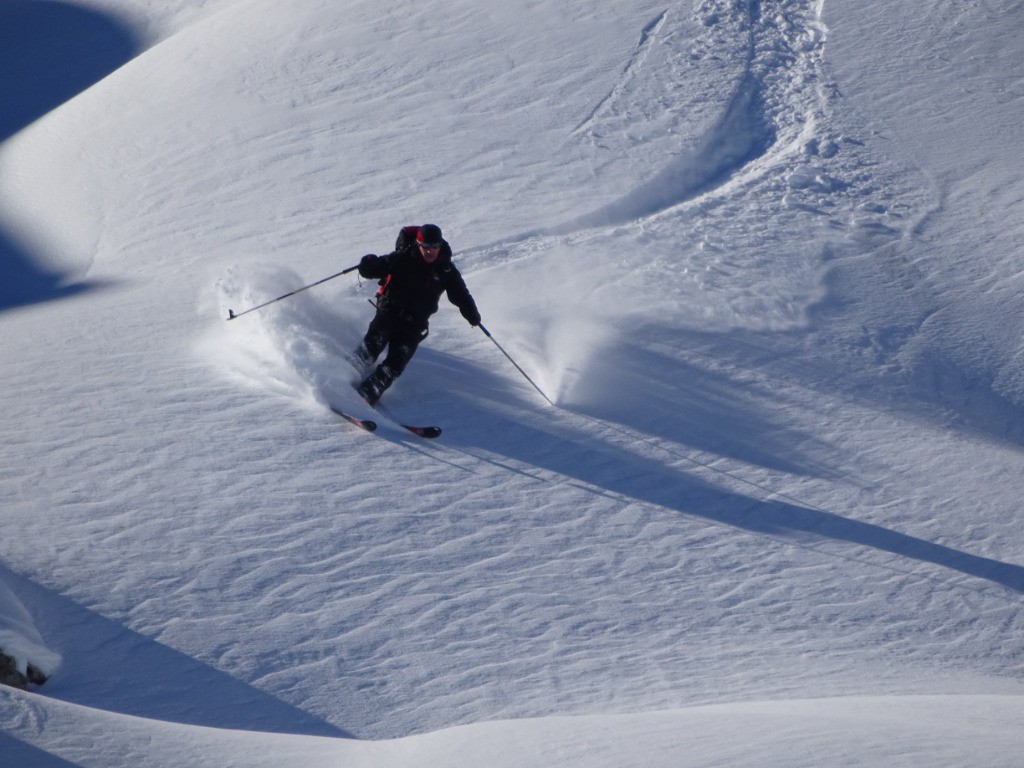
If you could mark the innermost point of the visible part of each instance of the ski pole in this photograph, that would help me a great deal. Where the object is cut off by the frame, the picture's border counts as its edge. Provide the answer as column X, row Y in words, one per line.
column 231, row 312
column 518, row 368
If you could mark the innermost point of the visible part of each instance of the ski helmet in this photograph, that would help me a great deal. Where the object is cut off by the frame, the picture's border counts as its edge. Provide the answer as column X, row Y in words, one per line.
column 429, row 234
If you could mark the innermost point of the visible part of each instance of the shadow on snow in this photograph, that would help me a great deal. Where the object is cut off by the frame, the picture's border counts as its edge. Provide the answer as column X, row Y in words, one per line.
column 108, row 666
column 706, row 414
column 49, row 52
column 17, row 752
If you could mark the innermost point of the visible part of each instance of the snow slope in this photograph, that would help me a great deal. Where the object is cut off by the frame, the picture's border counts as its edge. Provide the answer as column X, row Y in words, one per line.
column 763, row 256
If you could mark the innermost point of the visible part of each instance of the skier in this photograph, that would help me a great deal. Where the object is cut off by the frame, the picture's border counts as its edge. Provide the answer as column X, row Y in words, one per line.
column 412, row 279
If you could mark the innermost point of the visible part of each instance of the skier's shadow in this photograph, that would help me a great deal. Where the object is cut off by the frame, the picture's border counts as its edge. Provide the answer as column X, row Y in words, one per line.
column 49, row 52
column 625, row 473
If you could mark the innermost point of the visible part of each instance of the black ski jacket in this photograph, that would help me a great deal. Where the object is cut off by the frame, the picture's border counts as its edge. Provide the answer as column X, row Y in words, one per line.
column 411, row 288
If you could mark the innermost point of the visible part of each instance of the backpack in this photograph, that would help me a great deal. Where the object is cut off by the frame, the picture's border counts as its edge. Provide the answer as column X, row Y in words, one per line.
column 403, row 244
column 406, row 238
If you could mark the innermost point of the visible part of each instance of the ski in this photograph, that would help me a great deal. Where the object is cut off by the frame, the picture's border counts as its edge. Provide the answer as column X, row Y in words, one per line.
column 428, row 432
column 369, row 426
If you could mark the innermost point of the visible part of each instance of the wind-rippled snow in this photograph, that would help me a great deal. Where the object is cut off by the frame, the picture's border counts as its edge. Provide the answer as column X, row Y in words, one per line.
column 762, row 257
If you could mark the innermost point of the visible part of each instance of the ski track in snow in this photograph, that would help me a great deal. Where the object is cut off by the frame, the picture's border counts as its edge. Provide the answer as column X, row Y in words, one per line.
column 629, row 71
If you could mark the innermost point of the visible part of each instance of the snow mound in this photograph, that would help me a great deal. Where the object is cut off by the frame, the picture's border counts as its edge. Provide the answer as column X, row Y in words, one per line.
column 19, row 637
column 925, row 731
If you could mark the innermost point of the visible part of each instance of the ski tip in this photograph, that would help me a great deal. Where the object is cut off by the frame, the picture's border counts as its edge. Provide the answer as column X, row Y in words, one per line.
column 369, row 426
column 429, row 432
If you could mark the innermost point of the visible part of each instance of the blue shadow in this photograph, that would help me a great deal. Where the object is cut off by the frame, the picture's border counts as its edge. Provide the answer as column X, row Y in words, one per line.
column 110, row 667
column 18, row 753
column 704, row 406
column 49, row 52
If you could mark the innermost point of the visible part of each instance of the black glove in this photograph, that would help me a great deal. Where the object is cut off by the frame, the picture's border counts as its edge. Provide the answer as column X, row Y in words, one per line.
column 473, row 318
column 366, row 264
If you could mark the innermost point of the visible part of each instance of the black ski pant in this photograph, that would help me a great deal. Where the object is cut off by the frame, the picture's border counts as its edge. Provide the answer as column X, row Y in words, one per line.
column 401, row 339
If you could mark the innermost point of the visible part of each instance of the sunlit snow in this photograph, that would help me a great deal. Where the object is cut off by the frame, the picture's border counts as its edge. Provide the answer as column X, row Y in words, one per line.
column 763, row 257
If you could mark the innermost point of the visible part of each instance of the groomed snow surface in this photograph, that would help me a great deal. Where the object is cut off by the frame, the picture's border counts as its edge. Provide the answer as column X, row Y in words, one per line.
column 765, row 259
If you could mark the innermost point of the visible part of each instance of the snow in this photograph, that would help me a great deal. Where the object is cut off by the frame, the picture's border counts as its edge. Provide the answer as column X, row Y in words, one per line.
column 20, row 639
column 763, row 258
